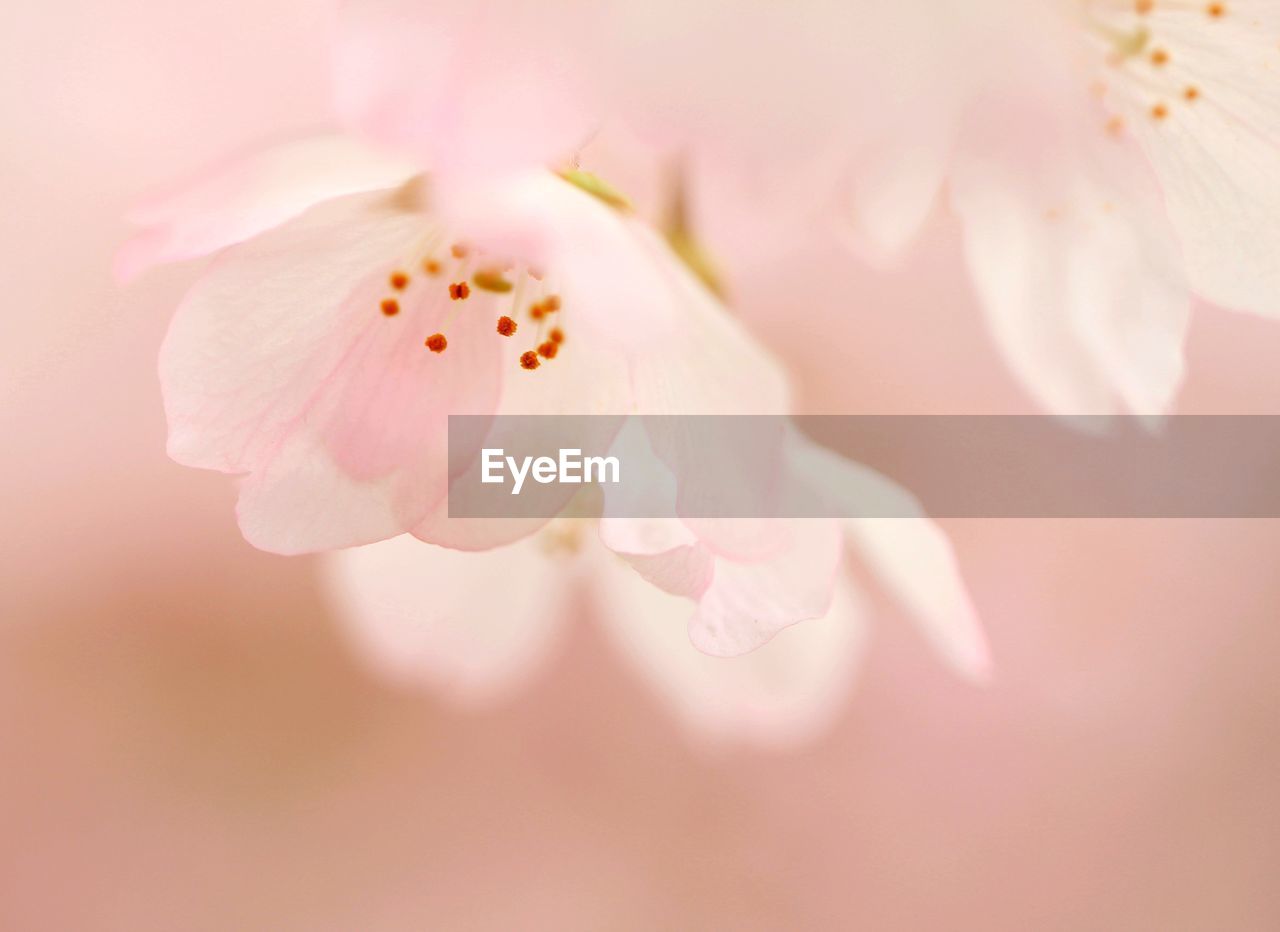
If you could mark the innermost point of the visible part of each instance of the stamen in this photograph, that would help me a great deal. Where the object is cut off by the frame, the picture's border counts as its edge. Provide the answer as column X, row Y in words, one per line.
column 391, row 307
column 548, row 349
column 597, row 188
column 1159, row 111
column 1192, row 93
column 556, row 335
column 437, row 343
column 506, row 326
column 399, row 281
column 431, row 266
column 1143, row 7
column 459, row 251
column 459, row 291
column 1216, row 10
column 529, row 360
column 489, row 280
column 1124, row 45
column 1159, row 57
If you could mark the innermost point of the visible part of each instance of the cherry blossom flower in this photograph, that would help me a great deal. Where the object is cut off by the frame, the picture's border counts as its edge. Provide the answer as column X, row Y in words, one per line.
column 357, row 299
column 426, row 616
column 1108, row 159
column 323, row 351
column 478, row 626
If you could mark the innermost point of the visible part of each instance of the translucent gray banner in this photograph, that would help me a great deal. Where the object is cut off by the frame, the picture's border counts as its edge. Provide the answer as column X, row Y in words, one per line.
column 832, row 466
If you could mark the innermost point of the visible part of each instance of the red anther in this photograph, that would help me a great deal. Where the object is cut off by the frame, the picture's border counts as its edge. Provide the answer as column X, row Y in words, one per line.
column 437, row 343
column 529, row 360
column 506, row 326
column 391, row 307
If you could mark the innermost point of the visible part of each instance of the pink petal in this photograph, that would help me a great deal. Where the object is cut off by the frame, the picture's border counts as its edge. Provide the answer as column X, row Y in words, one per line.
column 683, row 571
column 474, row 626
column 662, row 550
column 280, row 363
column 742, row 602
column 748, row 603
column 247, row 196
column 783, row 694
column 585, row 379
column 467, row 87
column 620, row 284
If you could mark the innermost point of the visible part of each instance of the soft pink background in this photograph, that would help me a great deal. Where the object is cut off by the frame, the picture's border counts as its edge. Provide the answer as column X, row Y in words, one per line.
column 188, row 745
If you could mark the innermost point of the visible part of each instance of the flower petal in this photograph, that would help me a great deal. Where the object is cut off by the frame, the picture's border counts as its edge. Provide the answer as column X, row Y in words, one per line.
column 747, row 603
column 784, row 694
column 895, row 186
column 1216, row 162
column 618, row 282
column 662, row 550
column 910, row 555
column 247, row 196
column 1079, row 274
column 470, row 87
column 583, row 379
column 474, row 626
column 280, row 363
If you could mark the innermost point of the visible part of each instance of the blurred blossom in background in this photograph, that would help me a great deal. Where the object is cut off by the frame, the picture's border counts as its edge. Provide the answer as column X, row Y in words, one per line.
column 197, row 737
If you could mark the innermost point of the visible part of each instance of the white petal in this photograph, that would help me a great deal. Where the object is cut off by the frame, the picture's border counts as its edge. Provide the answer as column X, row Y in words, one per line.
column 914, row 560
column 1080, row 277
column 583, row 379
column 710, row 365
column 747, row 603
column 1216, row 159
column 474, row 626
column 662, row 550
column 909, row 554
column 895, row 187
column 784, row 694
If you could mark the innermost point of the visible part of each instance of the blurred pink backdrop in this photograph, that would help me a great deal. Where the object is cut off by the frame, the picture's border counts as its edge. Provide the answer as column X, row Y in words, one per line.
column 188, row 744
